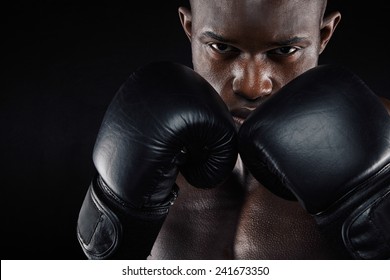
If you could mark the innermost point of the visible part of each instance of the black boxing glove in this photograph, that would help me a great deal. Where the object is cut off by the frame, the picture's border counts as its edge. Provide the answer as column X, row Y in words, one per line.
column 165, row 119
column 324, row 139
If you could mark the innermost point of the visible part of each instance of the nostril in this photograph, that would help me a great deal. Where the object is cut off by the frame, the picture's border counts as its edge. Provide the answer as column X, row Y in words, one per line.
column 253, row 96
column 253, row 89
column 247, row 96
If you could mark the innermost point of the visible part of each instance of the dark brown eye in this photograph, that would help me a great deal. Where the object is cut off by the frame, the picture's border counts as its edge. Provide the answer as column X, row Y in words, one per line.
column 222, row 48
column 284, row 51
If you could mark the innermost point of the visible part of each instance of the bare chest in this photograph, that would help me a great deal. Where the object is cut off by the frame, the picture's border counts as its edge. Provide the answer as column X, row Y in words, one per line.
column 231, row 222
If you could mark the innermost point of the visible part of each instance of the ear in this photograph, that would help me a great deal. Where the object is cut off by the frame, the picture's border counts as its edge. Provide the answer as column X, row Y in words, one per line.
column 329, row 24
column 186, row 20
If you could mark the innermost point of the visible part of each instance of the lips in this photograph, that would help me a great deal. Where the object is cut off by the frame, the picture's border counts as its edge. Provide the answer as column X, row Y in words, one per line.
column 239, row 115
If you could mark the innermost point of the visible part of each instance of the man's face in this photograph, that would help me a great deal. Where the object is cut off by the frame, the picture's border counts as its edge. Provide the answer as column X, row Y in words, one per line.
column 249, row 49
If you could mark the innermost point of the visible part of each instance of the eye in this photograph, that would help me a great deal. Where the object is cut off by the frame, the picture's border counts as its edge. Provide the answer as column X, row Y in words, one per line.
column 284, row 51
column 222, row 48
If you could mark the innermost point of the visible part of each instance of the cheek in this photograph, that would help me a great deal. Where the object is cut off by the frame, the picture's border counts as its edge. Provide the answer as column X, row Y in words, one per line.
column 219, row 79
column 212, row 74
column 217, row 76
column 287, row 73
column 215, row 73
column 310, row 58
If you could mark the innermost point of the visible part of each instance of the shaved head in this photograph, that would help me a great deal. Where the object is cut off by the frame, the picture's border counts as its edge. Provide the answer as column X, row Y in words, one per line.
column 251, row 48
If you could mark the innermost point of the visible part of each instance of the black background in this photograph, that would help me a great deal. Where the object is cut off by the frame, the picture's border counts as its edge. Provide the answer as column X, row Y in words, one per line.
column 64, row 61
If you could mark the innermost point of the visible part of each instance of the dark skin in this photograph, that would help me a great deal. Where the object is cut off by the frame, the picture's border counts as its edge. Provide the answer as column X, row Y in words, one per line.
column 248, row 50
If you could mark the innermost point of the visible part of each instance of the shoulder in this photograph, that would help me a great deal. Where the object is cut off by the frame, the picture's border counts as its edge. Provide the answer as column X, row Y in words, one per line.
column 386, row 103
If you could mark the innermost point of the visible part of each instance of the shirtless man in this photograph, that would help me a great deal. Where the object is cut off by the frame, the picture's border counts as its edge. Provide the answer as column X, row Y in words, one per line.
column 247, row 50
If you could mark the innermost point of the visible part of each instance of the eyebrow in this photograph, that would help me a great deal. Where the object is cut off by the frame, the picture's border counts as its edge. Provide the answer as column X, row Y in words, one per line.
column 215, row 36
column 222, row 39
column 290, row 41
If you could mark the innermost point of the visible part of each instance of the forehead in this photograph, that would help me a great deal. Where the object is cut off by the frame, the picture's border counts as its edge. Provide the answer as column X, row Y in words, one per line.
column 254, row 16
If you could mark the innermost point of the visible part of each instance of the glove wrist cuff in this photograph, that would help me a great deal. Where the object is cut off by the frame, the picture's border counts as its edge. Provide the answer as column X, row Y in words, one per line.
column 108, row 229
column 341, row 209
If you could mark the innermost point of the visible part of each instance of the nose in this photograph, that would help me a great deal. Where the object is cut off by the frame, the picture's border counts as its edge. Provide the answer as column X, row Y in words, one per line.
column 252, row 80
